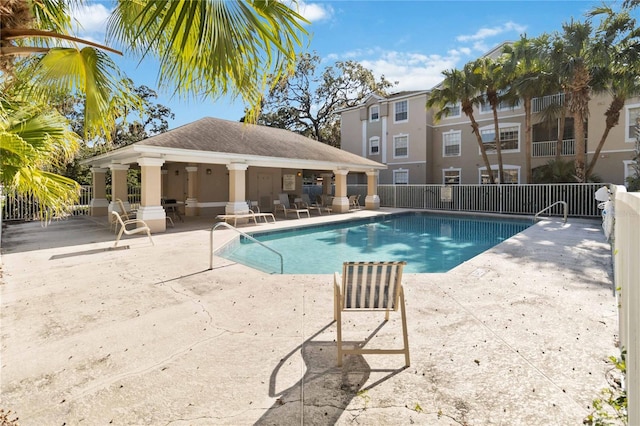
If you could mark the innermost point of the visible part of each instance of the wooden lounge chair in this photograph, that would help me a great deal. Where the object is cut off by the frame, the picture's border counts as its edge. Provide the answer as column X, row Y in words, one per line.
column 132, row 229
column 370, row 286
column 283, row 205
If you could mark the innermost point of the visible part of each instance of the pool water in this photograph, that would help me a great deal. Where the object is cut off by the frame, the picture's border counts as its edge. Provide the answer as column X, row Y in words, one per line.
column 428, row 242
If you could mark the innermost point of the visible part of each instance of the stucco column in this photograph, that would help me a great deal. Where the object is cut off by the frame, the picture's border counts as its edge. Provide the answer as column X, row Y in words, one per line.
column 237, row 188
column 151, row 210
column 326, row 183
column 341, row 201
column 191, row 203
column 99, row 205
column 372, row 200
column 119, row 188
column 163, row 185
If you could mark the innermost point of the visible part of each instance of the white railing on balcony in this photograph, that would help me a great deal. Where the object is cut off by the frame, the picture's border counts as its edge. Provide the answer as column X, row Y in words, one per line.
column 548, row 148
column 540, row 104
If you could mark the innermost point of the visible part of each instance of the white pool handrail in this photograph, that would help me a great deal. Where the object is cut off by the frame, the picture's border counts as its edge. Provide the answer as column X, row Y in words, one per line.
column 226, row 225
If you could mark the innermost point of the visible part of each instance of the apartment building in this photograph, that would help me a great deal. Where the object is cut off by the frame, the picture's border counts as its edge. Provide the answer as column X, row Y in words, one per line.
column 401, row 132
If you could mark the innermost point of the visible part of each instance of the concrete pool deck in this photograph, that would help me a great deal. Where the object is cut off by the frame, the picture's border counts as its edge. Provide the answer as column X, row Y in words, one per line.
column 147, row 335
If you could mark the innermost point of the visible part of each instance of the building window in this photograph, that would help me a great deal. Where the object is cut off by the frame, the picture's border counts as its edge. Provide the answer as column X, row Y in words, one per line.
column 630, row 171
column 632, row 113
column 451, row 143
column 401, row 146
column 485, row 107
column 509, row 138
column 453, row 110
column 401, row 111
column 451, row 176
column 374, row 113
column 374, row 146
column 511, row 174
column 401, row 177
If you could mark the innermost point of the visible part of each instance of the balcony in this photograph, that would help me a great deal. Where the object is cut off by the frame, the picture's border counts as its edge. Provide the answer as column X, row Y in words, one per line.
column 539, row 104
column 548, row 148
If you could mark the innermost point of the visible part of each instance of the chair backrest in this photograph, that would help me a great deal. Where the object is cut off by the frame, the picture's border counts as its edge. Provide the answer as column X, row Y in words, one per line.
column 306, row 199
column 284, row 200
column 118, row 218
column 371, row 286
column 123, row 211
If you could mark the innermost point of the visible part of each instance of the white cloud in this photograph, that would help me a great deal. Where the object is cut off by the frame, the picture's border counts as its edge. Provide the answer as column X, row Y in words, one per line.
column 412, row 71
column 315, row 12
column 90, row 21
column 484, row 33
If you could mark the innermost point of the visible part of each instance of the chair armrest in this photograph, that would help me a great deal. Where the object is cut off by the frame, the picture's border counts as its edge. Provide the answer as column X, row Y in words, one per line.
column 132, row 221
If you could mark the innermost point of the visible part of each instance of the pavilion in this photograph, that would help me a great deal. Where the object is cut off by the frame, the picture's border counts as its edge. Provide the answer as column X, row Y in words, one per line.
column 214, row 166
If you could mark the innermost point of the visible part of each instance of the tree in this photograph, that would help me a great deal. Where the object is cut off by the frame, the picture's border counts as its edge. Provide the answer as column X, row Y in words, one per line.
column 208, row 49
column 571, row 57
column 33, row 138
column 524, row 64
column 617, row 54
column 460, row 86
column 491, row 80
column 306, row 103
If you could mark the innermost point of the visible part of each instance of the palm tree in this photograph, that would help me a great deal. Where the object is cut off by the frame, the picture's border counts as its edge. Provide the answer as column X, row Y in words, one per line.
column 32, row 139
column 617, row 51
column 212, row 48
column 525, row 66
column 460, row 86
column 207, row 48
column 491, row 79
column 571, row 57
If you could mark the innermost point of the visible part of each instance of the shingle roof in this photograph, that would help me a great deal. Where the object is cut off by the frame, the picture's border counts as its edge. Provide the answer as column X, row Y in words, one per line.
column 217, row 141
column 217, row 135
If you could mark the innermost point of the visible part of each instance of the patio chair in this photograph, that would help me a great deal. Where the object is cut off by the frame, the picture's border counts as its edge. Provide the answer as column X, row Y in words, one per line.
column 354, row 201
column 283, row 204
column 132, row 230
column 305, row 202
column 370, row 286
column 124, row 214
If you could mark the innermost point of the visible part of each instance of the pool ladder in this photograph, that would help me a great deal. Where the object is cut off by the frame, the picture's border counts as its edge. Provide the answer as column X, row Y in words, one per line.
column 564, row 204
column 226, row 225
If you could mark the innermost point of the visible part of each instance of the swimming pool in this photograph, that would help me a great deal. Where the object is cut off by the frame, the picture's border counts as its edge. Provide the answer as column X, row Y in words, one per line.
column 428, row 242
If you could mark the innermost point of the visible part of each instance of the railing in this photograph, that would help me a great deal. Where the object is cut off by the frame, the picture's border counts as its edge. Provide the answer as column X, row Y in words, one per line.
column 249, row 237
column 509, row 199
column 548, row 148
column 24, row 208
column 506, row 199
column 557, row 203
column 540, row 104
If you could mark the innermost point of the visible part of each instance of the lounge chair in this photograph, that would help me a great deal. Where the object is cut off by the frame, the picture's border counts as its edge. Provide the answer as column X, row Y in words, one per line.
column 354, row 201
column 252, row 213
column 283, row 205
column 305, row 202
column 370, row 286
column 132, row 230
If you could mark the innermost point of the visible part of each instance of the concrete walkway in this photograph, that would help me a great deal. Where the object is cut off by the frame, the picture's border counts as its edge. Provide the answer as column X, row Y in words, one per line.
column 147, row 335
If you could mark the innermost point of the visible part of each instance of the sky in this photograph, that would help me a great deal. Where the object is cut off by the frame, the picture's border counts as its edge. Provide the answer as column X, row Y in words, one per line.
column 410, row 42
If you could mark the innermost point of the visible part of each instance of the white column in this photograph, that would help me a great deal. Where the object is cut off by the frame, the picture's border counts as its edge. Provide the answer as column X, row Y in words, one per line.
column 191, row 203
column 151, row 210
column 119, row 187
column 99, row 205
column 372, row 200
column 341, row 201
column 237, row 188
